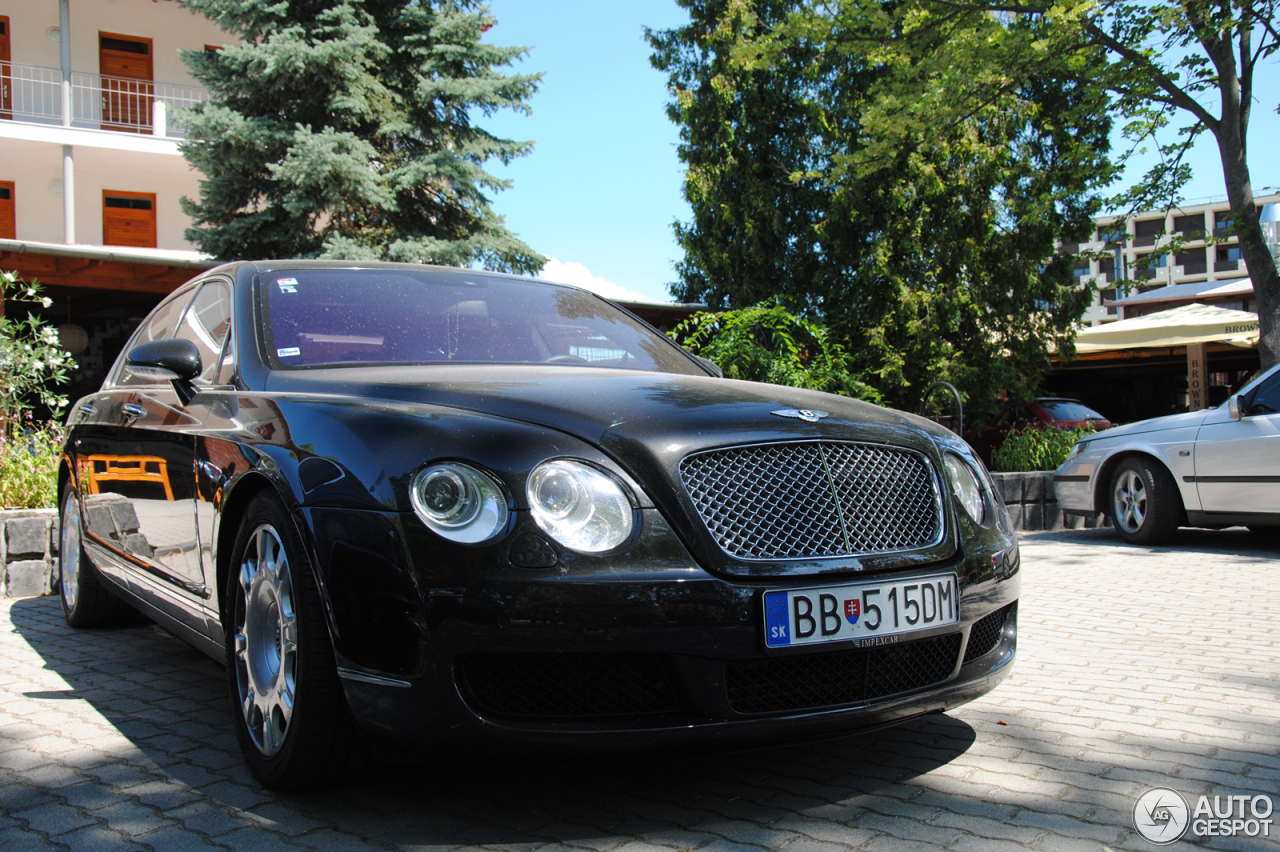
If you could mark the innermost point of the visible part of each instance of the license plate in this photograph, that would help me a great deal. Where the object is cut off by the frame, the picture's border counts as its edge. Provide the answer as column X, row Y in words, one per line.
column 860, row 611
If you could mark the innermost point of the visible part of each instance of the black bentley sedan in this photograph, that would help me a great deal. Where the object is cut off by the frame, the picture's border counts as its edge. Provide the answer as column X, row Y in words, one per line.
column 416, row 508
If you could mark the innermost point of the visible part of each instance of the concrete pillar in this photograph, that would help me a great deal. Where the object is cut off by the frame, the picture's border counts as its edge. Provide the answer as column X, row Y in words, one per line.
column 64, row 47
column 68, row 196
column 159, row 118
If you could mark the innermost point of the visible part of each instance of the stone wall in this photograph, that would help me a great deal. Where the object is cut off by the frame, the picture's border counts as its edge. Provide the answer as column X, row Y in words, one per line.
column 1033, row 504
column 28, row 551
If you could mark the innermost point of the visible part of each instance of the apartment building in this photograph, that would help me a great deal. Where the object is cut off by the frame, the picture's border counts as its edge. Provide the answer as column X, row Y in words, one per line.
column 1207, row 259
column 90, row 173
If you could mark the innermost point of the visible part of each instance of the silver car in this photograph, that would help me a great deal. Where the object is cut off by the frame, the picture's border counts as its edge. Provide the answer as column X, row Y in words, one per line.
column 1214, row 468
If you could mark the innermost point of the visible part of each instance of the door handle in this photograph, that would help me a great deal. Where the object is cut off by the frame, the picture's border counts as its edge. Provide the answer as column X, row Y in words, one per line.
column 132, row 410
column 88, row 409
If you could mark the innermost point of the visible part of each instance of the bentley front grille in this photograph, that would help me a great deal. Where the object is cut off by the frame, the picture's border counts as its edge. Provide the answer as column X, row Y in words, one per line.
column 815, row 499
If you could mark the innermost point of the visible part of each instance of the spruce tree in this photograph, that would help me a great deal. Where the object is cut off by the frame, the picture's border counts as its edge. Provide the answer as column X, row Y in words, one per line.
column 345, row 129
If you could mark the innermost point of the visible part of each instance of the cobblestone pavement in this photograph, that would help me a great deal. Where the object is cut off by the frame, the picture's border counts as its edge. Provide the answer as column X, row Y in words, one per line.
column 1137, row 667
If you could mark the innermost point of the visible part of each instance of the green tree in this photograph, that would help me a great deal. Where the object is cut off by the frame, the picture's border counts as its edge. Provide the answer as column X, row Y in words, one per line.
column 918, row 233
column 1192, row 64
column 345, row 129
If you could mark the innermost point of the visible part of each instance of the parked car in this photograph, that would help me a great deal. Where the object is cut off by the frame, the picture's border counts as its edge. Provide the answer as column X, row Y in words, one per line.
column 1041, row 413
column 1213, row 468
column 426, row 508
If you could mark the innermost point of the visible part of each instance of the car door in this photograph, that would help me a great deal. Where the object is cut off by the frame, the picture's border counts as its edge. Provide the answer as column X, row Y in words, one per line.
column 1238, row 461
column 143, row 482
column 107, row 480
column 162, row 440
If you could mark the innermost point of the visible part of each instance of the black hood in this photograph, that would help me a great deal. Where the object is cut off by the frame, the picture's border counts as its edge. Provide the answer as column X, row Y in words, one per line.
column 588, row 403
column 649, row 422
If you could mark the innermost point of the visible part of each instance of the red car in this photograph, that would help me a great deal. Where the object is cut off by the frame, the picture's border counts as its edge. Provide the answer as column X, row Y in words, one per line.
column 1040, row 413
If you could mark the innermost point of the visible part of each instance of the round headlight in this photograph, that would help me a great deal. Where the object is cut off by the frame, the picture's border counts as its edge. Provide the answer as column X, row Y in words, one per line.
column 579, row 506
column 459, row 502
column 964, row 484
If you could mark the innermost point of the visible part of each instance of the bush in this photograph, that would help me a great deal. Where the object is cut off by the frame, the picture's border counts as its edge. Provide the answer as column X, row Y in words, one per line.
column 766, row 343
column 1036, row 449
column 29, row 467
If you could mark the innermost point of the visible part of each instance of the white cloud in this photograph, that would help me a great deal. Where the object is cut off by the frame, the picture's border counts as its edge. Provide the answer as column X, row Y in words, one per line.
column 579, row 276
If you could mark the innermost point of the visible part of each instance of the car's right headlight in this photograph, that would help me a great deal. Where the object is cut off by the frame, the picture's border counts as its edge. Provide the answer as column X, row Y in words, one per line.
column 579, row 506
column 459, row 502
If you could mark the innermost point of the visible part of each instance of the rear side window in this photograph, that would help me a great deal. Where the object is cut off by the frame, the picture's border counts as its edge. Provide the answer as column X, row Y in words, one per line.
column 1059, row 410
column 205, row 324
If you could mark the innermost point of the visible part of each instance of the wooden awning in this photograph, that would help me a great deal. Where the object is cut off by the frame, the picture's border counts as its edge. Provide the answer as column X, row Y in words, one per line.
column 104, row 272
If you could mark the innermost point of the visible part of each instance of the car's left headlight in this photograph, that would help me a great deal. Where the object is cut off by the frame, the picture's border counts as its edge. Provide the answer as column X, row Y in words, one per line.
column 966, row 486
column 579, row 506
column 1079, row 448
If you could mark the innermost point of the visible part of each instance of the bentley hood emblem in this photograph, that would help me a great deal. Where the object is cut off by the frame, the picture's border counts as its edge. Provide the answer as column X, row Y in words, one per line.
column 806, row 414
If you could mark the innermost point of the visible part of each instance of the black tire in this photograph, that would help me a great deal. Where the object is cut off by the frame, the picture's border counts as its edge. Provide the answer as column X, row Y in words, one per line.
column 1143, row 501
column 291, row 718
column 86, row 600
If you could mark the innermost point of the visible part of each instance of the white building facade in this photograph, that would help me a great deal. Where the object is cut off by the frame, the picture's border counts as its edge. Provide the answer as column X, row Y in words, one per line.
column 88, row 150
column 1207, row 253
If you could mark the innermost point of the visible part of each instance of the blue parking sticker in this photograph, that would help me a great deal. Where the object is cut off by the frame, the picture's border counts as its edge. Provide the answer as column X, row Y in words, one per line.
column 776, row 621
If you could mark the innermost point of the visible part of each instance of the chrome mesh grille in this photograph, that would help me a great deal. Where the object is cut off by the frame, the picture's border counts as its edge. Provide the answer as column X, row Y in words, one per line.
column 792, row 501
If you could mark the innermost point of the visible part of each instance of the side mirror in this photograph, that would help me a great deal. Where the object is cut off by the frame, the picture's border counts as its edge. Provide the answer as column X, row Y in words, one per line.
column 1233, row 407
column 176, row 361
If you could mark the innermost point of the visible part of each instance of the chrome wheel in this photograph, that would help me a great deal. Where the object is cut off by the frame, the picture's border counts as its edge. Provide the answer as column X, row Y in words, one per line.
column 69, row 550
column 1130, row 501
column 266, row 640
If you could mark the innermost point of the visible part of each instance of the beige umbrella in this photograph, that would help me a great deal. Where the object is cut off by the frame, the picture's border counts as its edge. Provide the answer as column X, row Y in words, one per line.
column 1181, row 326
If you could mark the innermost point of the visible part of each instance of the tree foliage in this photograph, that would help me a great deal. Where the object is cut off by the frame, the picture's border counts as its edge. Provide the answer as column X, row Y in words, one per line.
column 824, row 170
column 346, row 129
column 765, row 343
column 1173, row 71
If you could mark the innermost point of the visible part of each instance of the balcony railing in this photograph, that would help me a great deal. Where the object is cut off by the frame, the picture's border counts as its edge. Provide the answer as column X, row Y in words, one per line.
column 33, row 93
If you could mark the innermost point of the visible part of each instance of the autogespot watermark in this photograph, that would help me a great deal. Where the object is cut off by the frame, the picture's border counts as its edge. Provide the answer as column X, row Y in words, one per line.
column 1162, row 815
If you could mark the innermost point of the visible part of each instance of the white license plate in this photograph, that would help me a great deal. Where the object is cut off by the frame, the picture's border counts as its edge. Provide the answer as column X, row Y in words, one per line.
column 860, row 611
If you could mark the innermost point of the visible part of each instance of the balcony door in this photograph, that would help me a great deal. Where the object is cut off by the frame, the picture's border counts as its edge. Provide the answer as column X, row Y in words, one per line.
column 6, row 81
column 124, row 62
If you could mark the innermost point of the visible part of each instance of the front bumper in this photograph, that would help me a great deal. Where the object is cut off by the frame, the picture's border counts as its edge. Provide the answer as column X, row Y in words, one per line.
column 643, row 650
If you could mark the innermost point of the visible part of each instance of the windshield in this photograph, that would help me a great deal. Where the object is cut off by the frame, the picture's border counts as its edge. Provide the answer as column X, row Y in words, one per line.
column 390, row 316
column 1060, row 410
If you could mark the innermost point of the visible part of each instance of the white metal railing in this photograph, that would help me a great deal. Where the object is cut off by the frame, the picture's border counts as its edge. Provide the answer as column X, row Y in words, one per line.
column 33, row 93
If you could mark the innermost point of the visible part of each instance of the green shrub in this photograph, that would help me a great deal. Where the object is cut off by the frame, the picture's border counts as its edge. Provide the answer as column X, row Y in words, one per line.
column 1036, row 449
column 29, row 466
column 766, row 343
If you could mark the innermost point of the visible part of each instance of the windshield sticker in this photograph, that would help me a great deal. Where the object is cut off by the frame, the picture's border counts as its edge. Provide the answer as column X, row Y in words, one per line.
column 288, row 285
column 285, row 353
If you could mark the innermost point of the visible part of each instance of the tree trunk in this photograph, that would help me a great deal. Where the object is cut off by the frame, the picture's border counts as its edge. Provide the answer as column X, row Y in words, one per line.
column 1262, row 266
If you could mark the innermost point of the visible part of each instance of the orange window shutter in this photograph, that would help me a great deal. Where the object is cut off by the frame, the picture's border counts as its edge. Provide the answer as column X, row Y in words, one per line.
column 129, row 218
column 8, row 212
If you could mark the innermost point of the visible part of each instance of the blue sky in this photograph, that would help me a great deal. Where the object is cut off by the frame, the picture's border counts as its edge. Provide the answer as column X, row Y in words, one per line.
column 602, row 187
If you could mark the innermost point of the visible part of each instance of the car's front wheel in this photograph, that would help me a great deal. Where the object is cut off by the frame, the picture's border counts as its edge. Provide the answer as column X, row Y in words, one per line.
column 291, row 718
column 1144, row 505
column 86, row 600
